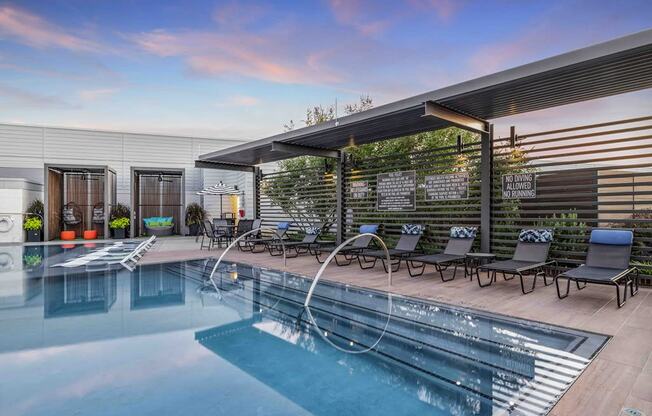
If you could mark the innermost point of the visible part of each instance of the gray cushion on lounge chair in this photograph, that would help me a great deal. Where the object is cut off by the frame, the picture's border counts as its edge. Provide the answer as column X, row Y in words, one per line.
column 596, row 274
column 437, row 258
column 512, row 265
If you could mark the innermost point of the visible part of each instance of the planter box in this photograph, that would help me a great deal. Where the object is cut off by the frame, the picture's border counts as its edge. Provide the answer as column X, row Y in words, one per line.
column 33, row 236
column 194, row 229
column 119, row 233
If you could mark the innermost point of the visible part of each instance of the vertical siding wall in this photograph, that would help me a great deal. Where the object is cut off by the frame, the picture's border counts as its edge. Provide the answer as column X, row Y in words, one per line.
column 25, row 149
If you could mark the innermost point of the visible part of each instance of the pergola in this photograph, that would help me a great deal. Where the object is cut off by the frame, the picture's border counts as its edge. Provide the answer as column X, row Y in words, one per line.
column 614, row 67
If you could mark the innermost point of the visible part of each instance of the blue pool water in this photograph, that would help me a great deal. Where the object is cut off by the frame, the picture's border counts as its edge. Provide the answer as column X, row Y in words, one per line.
column 162, row 341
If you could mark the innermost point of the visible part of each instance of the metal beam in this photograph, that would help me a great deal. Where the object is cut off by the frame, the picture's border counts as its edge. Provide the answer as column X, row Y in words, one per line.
column 486, row 173
column 301, row 150
column 432, row 109
column 256, row 195
column 206, row 164
column 339, row 190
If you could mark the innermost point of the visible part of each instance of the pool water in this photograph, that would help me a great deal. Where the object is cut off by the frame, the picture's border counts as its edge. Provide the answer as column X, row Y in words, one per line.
column 161, row 340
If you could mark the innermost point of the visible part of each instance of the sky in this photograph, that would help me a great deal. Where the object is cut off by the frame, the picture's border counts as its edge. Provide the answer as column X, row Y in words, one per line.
column 243, row 69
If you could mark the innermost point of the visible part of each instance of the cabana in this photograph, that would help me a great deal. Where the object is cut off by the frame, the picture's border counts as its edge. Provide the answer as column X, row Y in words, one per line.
column 483, row 195
column 157, row 193
column 78, row 198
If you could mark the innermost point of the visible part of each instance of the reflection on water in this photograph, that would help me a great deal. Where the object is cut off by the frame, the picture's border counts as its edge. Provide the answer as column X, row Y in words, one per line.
column 242, row 345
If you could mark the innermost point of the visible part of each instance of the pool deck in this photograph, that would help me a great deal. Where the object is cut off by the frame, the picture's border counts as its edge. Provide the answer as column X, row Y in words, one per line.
column 621, row 375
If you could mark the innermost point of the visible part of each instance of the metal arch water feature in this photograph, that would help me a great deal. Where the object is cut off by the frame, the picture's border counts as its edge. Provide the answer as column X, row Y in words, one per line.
column 233, row 243
column 306, row 304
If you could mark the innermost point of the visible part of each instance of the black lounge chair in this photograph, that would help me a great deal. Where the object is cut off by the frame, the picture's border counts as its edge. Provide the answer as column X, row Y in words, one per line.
column 407, row 245
column 98, row 213
column 607, row 263
column 459, row 243
column 351, row 251
column 251, row 244
column 530, row 258
column 72, row 215
column 306, row 245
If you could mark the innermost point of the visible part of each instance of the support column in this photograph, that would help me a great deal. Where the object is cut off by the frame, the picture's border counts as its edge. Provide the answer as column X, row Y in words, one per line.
column 339, row 189
column 256, row 192
column 486, row 185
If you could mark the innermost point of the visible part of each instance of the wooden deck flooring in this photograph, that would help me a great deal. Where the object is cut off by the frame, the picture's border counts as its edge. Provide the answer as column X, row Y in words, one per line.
column 621, row 375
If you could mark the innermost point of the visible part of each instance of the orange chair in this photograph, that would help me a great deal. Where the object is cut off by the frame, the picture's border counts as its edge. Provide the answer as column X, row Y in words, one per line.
column 68, row 235
column 90, row 234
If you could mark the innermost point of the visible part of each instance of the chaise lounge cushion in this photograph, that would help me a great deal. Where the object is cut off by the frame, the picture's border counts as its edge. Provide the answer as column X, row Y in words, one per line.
column 463, row 232
column 412, row 229
column 612, row 237
column 535, row 236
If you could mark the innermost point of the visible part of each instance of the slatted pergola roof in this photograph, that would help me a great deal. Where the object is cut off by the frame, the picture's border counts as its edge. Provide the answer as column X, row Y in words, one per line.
column 614, row 67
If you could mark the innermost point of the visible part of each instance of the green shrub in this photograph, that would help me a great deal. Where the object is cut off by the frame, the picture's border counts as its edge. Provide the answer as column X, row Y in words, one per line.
column 36, row 207
column 119, row 211
column 122, row 222
column 32, row 224
column 195, row 214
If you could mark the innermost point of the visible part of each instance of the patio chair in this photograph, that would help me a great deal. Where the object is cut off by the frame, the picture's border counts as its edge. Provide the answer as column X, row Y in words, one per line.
column 224, row 228
column 607, row 263
column 251, row 244
column 407, row 245
column 212, row 234
column 72, row 215
column 459, row 243
column 98, row 213
column 351, row 251
column 530, row 258
column 306, row 245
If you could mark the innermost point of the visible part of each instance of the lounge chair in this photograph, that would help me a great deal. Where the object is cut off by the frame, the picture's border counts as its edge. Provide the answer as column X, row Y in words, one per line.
column 407, row 245
column 351, row 251
column 459, row 243
column 251, row 244
column 607, row 263
column 307, row 244
column 244, row 227
column 530, row 258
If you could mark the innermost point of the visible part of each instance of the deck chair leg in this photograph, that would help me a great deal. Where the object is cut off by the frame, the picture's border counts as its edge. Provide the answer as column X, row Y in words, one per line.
column 534, row 283
column 559, row 295
column 367, row 262
column 420, row 269
column 580, row 287
column 620, row 304
column 441, row 273
column 505, row 277
column 634, row 283
column 349, row 260
column 490, row 274
column 319, row 260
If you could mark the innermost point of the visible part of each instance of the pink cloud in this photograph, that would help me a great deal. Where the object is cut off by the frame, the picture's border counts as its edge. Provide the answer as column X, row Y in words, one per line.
column 237, row 53
column 355, row 13
column 445, row 9
column 34, row 31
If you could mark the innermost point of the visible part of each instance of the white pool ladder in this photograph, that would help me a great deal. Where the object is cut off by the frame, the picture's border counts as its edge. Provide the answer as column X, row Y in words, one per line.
column 131, row 259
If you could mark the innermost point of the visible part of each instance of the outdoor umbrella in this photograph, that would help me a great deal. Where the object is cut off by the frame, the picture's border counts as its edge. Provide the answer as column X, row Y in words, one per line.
column 220, row 189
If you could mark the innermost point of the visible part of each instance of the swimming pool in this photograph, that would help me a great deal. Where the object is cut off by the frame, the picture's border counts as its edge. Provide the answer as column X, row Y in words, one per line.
column 161, row 340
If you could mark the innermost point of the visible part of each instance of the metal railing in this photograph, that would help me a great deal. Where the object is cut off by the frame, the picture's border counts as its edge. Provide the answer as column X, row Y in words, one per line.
column 315, row 281
column 236, row 241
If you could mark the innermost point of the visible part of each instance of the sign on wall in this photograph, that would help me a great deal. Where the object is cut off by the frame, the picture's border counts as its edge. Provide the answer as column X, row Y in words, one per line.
column 447, row 187
column 396, row 191
column 519, row 186
column 359, row 189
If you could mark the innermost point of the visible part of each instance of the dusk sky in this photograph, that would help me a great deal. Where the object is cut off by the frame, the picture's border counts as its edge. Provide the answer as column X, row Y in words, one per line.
column 241, row 69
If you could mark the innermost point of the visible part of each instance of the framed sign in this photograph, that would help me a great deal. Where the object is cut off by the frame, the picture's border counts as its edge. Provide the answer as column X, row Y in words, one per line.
column 359, row 189
column 396, row 191
column 520, row 186
column 447, row 187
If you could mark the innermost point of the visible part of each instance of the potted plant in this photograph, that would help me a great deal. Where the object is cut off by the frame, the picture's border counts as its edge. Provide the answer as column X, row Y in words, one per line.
column 119, row 220
column 33, row 226
column 119, row 227
column 195, row 214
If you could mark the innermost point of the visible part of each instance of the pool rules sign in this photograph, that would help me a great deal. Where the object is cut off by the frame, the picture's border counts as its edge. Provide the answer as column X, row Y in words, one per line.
column 396, row 191
column 520, row 186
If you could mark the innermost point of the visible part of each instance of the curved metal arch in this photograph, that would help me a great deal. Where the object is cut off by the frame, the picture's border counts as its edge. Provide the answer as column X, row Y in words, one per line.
column 233, row 243
column 306, row 304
